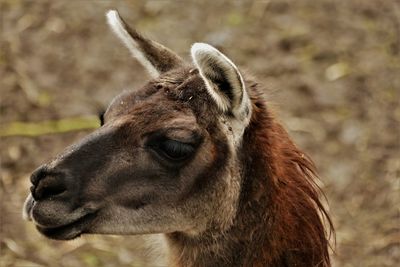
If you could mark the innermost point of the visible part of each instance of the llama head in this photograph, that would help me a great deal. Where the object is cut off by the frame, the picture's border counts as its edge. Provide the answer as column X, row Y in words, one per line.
column 164, row 160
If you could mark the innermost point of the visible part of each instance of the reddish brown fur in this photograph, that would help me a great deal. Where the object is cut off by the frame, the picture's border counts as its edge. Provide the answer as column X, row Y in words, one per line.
column 294, row 208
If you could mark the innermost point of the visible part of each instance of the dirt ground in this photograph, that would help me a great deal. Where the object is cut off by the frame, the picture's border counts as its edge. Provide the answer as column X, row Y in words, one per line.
column 333, row 73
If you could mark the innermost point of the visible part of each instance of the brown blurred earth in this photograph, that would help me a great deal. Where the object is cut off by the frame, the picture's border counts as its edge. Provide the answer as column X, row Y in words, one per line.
column 332, row 69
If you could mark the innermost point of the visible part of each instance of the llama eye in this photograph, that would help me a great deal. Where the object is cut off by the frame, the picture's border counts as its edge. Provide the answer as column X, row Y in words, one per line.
column 101, row 118
column 175, row 150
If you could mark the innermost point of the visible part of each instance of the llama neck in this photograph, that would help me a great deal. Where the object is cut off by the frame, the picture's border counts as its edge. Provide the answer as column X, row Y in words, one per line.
column 237, row 246
column 277, row 222
column 241, row 245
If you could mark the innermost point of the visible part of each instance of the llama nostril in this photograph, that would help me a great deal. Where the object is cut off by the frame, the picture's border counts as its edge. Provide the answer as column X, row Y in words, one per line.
column 50, row 184
column 38, row 174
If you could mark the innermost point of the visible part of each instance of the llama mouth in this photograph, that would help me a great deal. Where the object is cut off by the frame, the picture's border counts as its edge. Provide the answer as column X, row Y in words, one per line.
column 69, row 231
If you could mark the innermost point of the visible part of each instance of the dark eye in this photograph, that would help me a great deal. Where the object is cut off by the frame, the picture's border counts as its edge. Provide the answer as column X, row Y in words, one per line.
column 101, row 118
column 175, row 150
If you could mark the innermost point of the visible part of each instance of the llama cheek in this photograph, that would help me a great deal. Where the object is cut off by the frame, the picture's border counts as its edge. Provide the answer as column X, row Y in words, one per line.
column 231, row 198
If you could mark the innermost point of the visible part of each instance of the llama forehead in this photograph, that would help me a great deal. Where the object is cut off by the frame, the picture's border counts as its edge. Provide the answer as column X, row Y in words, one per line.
column 179, row 90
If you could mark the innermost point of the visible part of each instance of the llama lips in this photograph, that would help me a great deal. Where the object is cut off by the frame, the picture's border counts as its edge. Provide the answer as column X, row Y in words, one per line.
column 68, row 231
column 27, row 210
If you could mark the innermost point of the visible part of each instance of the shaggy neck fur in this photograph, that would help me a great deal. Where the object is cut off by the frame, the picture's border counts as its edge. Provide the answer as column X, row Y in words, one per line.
column 278, row 222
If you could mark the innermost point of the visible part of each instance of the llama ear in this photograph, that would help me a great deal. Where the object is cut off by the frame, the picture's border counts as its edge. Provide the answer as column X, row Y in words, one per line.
column 153, row 56
column 222, row 79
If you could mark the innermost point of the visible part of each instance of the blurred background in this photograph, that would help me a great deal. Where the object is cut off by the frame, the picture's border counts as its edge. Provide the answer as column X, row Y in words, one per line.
column 332, row 69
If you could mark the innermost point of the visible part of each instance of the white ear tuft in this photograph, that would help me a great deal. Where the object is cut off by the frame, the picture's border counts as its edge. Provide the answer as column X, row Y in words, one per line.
column 120, row 30
column 222, row 78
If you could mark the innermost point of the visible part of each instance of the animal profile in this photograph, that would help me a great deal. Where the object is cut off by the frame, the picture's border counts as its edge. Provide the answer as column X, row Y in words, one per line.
column 197, row 155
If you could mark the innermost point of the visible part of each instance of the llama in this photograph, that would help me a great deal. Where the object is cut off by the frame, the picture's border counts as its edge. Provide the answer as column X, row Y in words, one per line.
column 195, row 155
